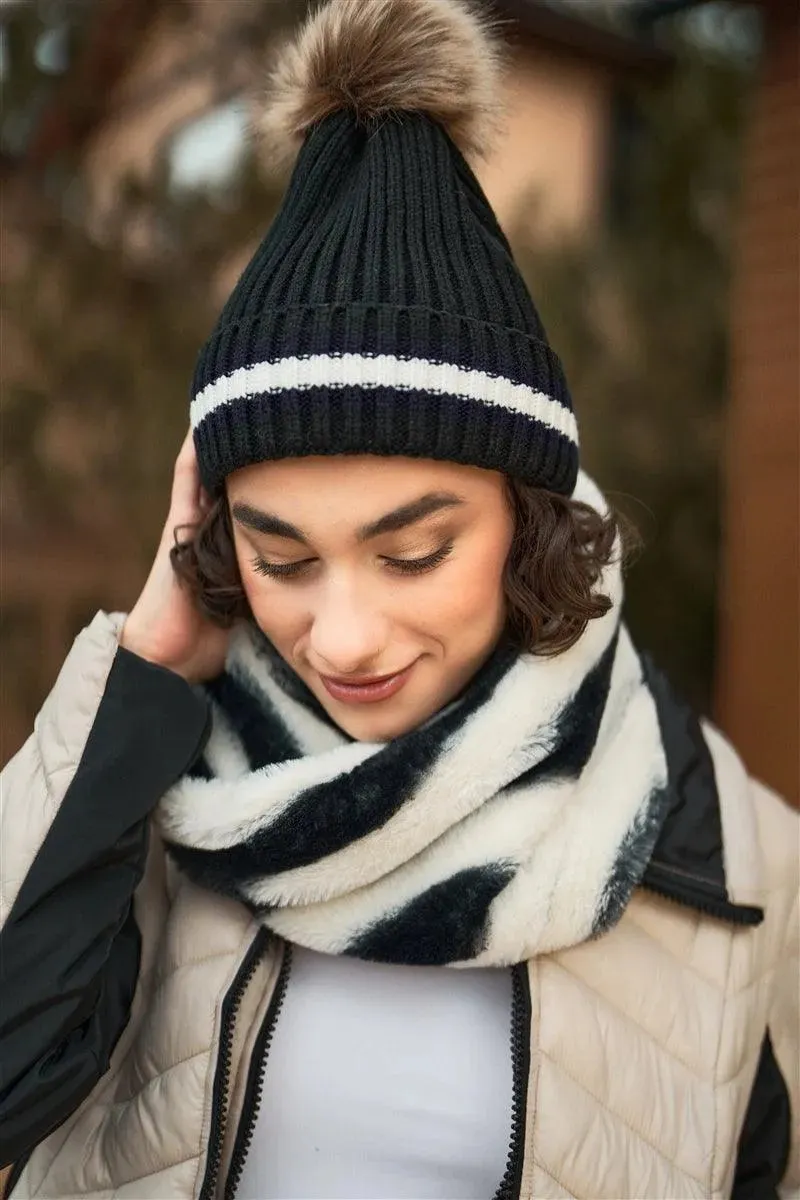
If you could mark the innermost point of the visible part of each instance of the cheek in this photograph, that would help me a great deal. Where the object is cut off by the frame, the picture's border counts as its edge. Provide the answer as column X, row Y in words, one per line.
column 469, row 601
column 276, row 609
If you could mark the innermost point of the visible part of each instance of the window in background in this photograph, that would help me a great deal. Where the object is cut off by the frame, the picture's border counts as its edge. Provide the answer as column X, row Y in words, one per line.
column 205, row 153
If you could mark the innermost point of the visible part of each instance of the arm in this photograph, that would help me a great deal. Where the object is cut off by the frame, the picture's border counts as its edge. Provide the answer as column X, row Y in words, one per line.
column 768, row 1161
column 113, row 735
column 785, row 1022
column 764, row 1143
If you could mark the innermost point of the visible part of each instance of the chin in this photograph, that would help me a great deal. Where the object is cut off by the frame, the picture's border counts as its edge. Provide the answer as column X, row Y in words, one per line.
column 377, row 723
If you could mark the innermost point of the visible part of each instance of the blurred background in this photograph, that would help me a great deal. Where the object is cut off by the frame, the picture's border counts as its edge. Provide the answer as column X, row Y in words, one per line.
column 648, row 179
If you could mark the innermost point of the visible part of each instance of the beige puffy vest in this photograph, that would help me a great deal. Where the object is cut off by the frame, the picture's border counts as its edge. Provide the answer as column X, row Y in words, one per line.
column 644, row 1044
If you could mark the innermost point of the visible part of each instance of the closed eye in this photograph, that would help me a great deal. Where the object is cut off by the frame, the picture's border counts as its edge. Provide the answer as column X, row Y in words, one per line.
column 288, row 570
column 414, row 566
column 402, row 566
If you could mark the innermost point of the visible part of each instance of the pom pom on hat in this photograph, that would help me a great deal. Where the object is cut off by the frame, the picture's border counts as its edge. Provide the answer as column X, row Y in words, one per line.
column 379, row 58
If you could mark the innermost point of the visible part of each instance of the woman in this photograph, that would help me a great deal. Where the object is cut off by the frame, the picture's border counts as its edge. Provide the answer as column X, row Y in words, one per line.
column 374, row 715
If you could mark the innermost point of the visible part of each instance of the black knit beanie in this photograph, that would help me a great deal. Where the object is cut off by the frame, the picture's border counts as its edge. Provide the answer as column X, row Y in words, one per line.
column 383, row 312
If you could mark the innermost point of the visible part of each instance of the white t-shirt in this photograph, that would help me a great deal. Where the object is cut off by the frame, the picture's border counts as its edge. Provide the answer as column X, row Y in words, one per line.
column 384, row 1083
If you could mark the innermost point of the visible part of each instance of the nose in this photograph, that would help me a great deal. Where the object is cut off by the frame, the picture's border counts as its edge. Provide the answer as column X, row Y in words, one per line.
column 348, row 633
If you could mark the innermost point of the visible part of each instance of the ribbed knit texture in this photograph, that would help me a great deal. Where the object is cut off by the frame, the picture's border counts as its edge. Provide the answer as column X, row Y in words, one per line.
column 385, row 245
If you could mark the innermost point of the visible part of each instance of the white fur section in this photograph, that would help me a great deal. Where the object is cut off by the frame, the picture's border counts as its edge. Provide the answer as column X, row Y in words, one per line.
column 493, row 747
column 505, row 826
column 565, row 838
column 587, row 491
column 744, row 866
column 518, row 725
column 383, row 370
column 212, row 814
column 224, row 752
column 553, row 900
column 610, row 582
column 499, row 831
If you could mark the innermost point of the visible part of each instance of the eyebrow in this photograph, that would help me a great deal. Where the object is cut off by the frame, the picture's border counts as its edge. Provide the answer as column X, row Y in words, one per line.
column 391, row 522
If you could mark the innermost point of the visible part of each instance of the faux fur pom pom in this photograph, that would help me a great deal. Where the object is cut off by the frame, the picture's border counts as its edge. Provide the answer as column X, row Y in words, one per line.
column 378, row 57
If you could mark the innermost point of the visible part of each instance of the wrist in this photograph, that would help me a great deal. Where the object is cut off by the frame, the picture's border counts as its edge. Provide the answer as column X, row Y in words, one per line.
column 135, row 642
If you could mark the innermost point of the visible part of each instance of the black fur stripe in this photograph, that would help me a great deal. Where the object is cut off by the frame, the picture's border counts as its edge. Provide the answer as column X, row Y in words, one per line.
column 264, row 737
column 633, row 855
column 210, row 869
column 445, row 924
column 578, row 725
column 286, row 679
column 201, row 770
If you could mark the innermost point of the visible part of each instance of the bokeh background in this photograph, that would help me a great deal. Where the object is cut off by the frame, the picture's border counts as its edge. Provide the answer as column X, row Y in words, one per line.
column 648, row 179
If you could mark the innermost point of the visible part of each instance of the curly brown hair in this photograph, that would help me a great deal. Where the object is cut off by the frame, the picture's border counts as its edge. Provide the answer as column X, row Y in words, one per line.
column 559, row 549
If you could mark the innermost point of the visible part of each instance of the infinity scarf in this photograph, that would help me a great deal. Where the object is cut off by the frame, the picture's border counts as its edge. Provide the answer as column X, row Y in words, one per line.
column 515, row 823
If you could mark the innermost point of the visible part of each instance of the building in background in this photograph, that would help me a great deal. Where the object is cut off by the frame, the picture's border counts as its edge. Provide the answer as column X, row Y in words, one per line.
column 560, row 164
column 182, row 93
column 758, row 675
column 159, row 86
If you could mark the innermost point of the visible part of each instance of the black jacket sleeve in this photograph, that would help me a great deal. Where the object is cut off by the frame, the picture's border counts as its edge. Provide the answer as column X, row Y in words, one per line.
column 764, row 1142
column 69, row 951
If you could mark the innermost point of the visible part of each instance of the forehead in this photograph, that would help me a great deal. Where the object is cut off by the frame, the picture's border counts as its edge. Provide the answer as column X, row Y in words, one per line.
column 361, row 487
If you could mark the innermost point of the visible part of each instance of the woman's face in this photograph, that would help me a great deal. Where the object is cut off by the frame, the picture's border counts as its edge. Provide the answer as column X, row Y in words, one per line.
column 378, row 580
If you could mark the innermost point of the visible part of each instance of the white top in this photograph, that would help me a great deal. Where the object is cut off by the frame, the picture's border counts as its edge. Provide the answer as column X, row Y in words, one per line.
column 384, row 1083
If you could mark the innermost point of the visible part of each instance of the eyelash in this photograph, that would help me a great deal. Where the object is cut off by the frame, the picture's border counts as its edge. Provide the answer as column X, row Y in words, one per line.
column 408, row 566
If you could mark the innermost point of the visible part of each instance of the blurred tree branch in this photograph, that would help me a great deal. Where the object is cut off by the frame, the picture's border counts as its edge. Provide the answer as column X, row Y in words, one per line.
column 100, row 336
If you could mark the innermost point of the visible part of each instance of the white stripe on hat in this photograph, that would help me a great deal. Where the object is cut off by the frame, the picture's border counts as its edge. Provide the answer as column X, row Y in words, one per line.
column 383, row 370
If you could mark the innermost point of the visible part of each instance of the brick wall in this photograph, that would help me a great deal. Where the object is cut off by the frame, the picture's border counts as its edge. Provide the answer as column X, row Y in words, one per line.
column 758, row 686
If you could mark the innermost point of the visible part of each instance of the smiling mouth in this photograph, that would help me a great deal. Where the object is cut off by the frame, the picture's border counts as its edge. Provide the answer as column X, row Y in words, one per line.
column 369, row 689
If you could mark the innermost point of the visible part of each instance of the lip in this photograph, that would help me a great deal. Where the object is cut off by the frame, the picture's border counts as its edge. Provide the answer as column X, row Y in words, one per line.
column 369, row 690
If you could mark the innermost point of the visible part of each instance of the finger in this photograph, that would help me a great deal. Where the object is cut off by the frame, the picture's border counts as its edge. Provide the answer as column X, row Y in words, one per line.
column 186, row 451
column 185, row 499
column 186, row 462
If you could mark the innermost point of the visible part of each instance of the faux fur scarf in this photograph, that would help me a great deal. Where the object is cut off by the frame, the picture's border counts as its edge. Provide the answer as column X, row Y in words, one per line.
column 516, row 822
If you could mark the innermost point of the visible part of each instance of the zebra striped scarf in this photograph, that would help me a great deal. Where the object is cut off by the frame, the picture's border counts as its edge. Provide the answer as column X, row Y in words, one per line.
column 515, row 823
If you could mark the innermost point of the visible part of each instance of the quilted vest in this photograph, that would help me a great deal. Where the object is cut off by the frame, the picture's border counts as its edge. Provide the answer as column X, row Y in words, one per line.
column 635, row 1054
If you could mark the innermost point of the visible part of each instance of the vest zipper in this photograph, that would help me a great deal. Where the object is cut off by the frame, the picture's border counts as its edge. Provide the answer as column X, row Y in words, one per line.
column 222, row 1080
column 689, row 895
column 509, row 1188
column 255, row 1078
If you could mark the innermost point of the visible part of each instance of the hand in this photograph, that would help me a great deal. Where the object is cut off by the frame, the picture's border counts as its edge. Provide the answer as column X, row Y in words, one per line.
column 165, row 626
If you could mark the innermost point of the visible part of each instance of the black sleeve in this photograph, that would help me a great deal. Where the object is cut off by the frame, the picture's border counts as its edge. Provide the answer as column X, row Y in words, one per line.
column 764, row 1142
column 69, row 951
